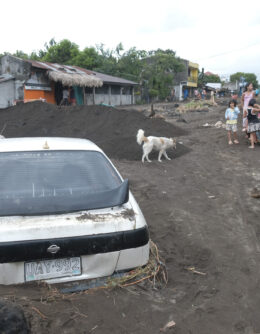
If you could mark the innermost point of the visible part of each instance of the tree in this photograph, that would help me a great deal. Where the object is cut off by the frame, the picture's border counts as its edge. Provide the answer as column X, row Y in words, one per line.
column 212, row 78
column 154, row 70
column 88, row 58
column 119, row 48
column 203, row 79
column 158, row 72
column 61, row 53
column 130, row 64
column 21, row 54
column 108, row 61
column 248, row 77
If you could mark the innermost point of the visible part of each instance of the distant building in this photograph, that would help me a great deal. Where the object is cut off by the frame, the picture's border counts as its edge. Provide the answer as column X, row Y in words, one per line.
column 186, row 82
column 232, row 86
column 213, row 86
column 7, row 90
column 29, row 80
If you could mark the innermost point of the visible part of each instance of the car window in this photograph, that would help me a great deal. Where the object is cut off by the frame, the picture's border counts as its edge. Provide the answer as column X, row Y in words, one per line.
column 43, row 178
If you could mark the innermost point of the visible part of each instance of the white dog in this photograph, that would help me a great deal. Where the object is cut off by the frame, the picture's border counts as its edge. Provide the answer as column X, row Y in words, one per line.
column 160, row 144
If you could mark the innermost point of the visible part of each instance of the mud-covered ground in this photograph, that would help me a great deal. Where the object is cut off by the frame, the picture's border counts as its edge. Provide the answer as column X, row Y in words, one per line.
column 200, row 214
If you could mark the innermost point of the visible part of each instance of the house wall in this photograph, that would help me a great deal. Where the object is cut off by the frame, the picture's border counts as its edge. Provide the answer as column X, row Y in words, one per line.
column 7, row 95
column 49, row 96
column 19, row 68
column 181, row 76
column 186, row 79
column 231, row 86
column 178, row 92
column 113, row 100
column 193, row 77
column 26, row 76
column 110, row 94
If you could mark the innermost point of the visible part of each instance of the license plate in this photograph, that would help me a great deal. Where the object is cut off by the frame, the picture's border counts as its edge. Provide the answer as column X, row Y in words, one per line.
column 46, row 269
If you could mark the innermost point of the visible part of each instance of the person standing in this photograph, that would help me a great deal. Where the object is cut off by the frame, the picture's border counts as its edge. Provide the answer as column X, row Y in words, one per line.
column 231, row 115
column 65, row 97
column 253, row 121
column 186, row 94
column 245, row 98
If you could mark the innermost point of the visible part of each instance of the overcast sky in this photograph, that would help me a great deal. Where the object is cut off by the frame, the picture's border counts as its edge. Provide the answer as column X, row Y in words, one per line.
column 221, row 36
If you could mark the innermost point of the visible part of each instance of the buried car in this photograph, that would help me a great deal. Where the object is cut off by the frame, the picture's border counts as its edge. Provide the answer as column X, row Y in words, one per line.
column 66, row 214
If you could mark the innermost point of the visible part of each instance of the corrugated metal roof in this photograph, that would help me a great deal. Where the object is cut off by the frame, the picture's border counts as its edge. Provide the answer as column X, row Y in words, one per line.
column 69, row 69
column 58, row 67
column 67, row 74
column 114, row 80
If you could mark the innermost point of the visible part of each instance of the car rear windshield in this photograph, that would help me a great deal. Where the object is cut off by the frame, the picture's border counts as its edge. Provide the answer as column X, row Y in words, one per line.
column 42, row 182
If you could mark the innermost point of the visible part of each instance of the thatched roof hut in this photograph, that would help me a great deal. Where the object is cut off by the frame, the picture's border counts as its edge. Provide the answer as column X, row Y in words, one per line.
column 75, row 79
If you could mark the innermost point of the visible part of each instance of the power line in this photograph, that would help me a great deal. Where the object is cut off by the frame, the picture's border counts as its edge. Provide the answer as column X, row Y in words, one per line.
column 231, row 51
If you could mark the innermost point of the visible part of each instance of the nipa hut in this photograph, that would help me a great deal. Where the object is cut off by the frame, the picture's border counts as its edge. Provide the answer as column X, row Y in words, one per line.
column 35, row 80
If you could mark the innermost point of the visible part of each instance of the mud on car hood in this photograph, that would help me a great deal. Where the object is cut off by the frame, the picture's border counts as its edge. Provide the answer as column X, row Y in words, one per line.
column 81, row 233
column 91, row 222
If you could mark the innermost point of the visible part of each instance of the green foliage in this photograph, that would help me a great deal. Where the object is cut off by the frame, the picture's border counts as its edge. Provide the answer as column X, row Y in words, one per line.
column 249, row 77
column 88, row 58
column 204, row 79
column 154, row 70
column 108, row 60
column 212, row 78
column 21, row 54
column 158, row 72
column 129, row 65
column 61, row 53
column 153, row 92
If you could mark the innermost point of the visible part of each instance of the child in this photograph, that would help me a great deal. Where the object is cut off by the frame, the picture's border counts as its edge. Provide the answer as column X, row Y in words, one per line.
column 231, row 124
column 253, row 121
column 246, row 97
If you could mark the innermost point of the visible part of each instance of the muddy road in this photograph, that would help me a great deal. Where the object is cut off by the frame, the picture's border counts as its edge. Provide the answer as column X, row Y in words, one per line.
column 207, row 228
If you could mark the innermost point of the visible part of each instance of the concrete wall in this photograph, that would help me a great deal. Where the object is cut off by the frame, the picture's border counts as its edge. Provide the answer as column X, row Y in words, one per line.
column 16, row 67
column 178, row 92
column 113, row 99
column 7, row 95
column 21, row 71
column 122, row 96
column 182, row 76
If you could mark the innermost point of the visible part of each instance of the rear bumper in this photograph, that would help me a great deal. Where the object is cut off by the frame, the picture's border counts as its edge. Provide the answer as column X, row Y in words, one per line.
column 93, row 266
column 31, row 250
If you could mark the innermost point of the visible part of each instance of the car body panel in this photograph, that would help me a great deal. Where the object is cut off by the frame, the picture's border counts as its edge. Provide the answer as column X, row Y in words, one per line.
column 46, row 143
column 121, row 226
column 93, row 266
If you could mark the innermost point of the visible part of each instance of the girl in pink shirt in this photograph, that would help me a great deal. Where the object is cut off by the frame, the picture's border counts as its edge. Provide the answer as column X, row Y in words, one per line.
column 246, row 97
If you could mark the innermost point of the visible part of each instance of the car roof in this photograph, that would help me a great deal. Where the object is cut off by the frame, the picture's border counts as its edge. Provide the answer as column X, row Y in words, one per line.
column 46, row 143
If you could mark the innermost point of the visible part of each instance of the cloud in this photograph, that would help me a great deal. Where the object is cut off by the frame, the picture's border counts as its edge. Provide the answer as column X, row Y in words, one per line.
column 221, row 36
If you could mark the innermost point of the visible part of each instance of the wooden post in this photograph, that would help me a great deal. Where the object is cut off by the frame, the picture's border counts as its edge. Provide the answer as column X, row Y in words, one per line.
column 94, row 96
column 84, row 95
column 109, row 93
column 121, row 91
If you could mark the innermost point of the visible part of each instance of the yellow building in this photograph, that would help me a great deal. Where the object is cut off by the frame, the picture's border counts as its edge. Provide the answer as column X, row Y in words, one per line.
column 193, row 73
column 186, row 82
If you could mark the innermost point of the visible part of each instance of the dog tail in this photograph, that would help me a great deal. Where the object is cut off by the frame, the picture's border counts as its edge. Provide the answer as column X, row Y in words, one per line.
column 140, row 136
